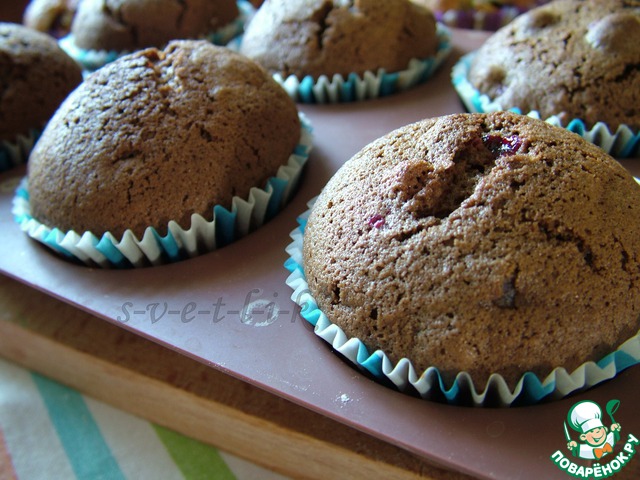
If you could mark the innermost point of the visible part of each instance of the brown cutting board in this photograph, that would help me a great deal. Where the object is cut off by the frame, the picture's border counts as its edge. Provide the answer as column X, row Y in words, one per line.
column 167, row 388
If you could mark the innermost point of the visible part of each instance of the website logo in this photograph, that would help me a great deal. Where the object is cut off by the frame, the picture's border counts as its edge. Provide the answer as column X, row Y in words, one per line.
column 596, row 440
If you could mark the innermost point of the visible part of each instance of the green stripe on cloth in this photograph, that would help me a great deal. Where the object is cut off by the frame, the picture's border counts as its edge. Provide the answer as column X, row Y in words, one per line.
column 80, row 436
column 195, row 460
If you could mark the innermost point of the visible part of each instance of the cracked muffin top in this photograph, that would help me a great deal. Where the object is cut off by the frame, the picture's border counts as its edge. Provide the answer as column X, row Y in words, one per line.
column 325, row 37
column 35, row 77
column 50, row 16
column 571, row 58
column 128, row 25
column 481, row 243
column 158, row 136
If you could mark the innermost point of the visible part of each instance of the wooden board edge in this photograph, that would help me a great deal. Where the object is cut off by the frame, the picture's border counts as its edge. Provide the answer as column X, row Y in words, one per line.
column 55, row 339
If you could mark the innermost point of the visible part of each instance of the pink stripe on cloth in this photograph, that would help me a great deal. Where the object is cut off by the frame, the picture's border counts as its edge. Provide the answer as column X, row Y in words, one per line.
column 6, row 466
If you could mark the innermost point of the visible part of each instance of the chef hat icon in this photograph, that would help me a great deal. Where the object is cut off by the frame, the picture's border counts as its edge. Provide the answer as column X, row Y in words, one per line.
column 585, row 416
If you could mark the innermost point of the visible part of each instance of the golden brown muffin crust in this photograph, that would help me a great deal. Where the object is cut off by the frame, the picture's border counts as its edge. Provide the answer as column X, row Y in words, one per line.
column 158, row 136
column 127, row 25
column 572, row 58
column 35, row 77
column 479, row 243
column 316, row 37
column 50, row 16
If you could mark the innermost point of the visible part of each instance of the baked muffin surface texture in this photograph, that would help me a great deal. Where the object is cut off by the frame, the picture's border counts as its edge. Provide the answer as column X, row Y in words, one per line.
column 486, row 243
column 326, row 37
column 158, row 136
column 128, row 25
column 35, row 77
column 50, row 16
column 571, row 58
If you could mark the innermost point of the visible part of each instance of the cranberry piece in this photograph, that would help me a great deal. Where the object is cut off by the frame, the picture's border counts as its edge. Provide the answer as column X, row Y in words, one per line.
column 377, row 221
column 502, row 146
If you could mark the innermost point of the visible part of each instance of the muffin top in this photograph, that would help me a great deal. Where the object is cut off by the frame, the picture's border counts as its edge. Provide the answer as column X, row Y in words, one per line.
column 325, row 37
column 50, row 16
column 128, row 25
column 35, row 77
column 480, row 243
column 159, row 136
column 572, row 58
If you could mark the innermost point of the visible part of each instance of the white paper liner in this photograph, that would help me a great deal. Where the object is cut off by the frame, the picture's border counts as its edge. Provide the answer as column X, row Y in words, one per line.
column 429, row 384
column 17, row 152
column 202, row 236
column 354, row 87
column 91, row 60
column 623, row 143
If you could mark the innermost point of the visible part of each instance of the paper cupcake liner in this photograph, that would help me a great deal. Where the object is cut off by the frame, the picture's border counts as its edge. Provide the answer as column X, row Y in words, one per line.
column 245, row 216
column 354, row 88
column 17, row 152
column 623, row 143
column 429, row 384
column 226, row 33
column 91, row 60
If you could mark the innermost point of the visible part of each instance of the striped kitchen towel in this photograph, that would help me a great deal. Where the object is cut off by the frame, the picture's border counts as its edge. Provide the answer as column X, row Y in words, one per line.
column 49, row 431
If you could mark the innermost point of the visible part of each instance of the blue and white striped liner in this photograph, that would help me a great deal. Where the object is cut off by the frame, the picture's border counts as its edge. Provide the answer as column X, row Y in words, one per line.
column 623, row 143
column 202, row 236
column 429, row 384
column 17, row 152
column 91, row 60
column 51, row 431
column 355, row 88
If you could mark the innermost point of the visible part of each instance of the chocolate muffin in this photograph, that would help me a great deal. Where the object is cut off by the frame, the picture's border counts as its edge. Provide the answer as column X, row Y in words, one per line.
column 570, row 58
column 485, row 243
column 50, row 16
column 35, row 75
column 129, row 25
column 326, row 37
column 159, row 136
